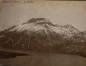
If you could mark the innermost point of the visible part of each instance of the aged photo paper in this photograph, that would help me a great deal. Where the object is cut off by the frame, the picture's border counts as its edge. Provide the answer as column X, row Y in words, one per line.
column 42, row 33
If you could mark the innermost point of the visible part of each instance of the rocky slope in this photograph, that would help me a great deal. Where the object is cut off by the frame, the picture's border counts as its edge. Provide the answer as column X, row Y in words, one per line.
column 41, row 35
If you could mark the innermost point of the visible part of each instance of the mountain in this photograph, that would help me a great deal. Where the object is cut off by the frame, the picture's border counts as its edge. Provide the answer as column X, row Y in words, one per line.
column 36, row 25
column 41, row 35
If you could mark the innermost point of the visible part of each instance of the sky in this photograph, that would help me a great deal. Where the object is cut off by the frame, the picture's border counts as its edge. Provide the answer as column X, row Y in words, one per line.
column 58, row 12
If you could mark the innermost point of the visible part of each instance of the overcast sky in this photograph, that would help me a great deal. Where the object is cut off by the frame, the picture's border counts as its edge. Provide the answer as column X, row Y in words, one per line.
column 62, row 13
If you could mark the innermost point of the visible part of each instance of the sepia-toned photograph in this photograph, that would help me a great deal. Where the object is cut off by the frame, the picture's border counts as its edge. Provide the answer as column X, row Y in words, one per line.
column 42, row 33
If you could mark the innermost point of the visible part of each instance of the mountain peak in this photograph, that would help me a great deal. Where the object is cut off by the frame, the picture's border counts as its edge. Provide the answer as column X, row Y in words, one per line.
column 39, row 21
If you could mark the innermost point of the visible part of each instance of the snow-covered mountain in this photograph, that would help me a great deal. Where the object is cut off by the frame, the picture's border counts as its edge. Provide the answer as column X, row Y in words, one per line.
column 42, row 24
column 41, row 35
